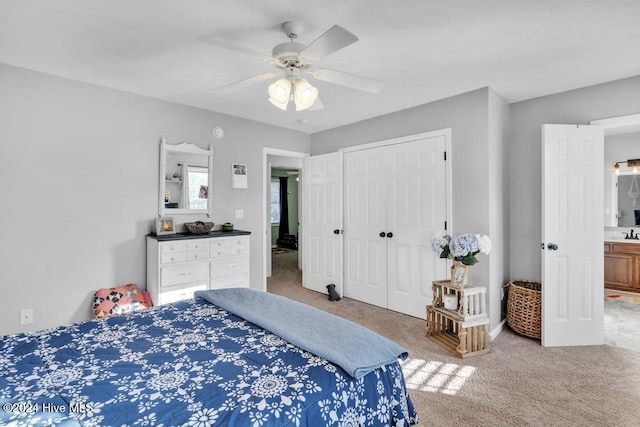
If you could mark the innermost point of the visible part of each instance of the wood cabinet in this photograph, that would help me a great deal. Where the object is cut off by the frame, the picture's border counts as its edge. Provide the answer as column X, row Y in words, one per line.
column 181, row 264
column 622, row 266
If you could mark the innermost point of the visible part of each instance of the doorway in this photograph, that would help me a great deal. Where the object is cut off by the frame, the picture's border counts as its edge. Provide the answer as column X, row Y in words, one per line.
column 282, row 170
column 621, row 309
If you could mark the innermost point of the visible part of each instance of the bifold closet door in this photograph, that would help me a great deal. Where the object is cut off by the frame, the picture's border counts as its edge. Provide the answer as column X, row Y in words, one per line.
column 416, row 209
column 365, row 226
column 394, row 200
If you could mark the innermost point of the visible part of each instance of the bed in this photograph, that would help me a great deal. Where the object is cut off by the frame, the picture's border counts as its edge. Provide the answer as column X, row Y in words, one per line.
column 198, row 362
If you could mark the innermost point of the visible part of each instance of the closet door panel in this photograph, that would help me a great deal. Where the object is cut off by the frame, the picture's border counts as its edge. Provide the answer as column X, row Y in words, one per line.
column 365, row 265
column 416, row 208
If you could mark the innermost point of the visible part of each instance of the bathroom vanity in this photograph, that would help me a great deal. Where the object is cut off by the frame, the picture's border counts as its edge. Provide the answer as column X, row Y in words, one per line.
column 622, row 265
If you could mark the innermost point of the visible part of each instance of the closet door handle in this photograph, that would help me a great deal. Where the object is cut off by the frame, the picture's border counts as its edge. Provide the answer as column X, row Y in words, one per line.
column 389, row 235
column 382, row 234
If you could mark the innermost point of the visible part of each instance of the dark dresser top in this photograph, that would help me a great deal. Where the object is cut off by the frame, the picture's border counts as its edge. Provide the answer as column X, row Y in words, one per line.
column 182, row 236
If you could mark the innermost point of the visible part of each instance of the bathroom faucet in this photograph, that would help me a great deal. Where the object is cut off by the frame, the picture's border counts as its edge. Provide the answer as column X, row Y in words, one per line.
column 631, row 236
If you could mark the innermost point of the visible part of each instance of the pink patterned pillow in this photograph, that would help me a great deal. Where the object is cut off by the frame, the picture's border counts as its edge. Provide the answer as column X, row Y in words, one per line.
column 122, row 299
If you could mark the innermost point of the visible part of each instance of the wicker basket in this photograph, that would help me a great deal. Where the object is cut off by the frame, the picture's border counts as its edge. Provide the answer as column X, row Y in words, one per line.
column 524, row 306
column 199, row 227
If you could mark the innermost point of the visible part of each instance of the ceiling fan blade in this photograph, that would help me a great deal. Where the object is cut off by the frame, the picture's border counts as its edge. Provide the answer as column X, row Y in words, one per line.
column 247, row 81
column 235, row 48
column 334, row 39
column 354, row 81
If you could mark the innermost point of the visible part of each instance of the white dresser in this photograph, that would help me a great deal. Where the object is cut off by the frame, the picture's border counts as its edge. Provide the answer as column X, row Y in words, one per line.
column 180, row 264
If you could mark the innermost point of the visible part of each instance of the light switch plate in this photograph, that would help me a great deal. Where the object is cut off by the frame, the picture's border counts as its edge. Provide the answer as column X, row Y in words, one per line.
column 239, row 213
column 26, row 316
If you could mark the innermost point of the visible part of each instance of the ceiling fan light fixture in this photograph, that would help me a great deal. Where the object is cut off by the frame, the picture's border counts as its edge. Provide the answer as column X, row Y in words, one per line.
column 280, row 105
column 279, row 93
column 304, row 95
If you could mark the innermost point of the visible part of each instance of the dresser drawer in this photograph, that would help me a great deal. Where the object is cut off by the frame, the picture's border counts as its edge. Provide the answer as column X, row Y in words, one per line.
column 171, row 257
column 229, row 242
column 169, row 247
column 198, row 245
column 236, row 281
column 202, row 254
column 184, row 273
column 229, row 266
column 228, row 251
column 179, row 294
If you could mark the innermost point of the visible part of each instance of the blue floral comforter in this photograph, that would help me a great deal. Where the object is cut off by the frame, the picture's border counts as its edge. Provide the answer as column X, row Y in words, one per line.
column 188, row 363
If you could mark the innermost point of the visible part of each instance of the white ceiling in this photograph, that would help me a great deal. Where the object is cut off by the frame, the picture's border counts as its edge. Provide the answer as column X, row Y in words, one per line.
column 423, row 50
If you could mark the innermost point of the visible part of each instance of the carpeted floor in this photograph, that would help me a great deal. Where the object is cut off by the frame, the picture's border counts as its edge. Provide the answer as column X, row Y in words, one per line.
column 519, row 383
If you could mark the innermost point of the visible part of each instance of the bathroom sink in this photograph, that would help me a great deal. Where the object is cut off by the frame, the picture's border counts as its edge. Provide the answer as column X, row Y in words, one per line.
column 620, row 239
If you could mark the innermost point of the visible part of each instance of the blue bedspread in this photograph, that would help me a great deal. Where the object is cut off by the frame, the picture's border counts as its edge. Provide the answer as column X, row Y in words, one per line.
column 187, row 363
column 354, row 348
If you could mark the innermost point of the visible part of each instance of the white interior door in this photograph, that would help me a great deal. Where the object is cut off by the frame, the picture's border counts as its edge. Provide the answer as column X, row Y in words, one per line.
column 395, row 198
column 321, row 218
column 365, row 226
column 416, row 208
column 572, row 235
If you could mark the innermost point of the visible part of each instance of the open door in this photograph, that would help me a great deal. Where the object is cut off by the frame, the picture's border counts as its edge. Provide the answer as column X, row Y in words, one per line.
column 322, row 222
column 572, row 235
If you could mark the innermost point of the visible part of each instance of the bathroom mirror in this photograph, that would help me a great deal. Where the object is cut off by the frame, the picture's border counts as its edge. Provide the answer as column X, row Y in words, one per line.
column 185, row 179
column 622, row 135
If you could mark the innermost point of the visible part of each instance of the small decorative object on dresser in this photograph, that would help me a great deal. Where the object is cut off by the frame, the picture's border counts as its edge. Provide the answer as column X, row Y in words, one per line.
column 165, row 225
column 199, row 227
column 227, row 226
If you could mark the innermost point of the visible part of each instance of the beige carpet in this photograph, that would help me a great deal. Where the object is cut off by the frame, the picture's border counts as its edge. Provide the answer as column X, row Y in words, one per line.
column 519, row 383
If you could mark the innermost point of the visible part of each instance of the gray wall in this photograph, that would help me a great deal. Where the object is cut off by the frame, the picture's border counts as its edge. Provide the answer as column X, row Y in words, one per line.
column 498, row 169
column 478, row 122
column 79, row 169
column 618, row 98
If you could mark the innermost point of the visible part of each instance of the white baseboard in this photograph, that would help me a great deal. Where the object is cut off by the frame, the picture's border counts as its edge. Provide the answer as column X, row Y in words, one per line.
column 496, row 331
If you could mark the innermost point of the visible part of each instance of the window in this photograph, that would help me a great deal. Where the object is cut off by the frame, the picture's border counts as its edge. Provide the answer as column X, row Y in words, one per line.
column 275, row 201
column 197, row 187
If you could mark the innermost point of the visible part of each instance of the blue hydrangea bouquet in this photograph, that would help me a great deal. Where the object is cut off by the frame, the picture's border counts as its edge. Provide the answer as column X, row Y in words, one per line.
column 462, row 248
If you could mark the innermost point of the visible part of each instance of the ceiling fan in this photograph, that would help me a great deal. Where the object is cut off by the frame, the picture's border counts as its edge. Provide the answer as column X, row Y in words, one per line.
column 294, row 60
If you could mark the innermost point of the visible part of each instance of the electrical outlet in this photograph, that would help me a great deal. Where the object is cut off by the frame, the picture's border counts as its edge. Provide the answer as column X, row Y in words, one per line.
column 26, row 316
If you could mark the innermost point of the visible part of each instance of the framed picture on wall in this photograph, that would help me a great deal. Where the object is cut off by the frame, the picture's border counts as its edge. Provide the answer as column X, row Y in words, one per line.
column 165, row 225
column 239, row 175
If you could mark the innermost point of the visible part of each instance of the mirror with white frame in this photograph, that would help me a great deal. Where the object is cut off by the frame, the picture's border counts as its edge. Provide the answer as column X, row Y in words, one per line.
column 186, row 176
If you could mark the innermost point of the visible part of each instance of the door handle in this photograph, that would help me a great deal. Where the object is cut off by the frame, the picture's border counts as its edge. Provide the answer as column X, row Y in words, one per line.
column 382, row 234
column 389, row 235
column 552, row 247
